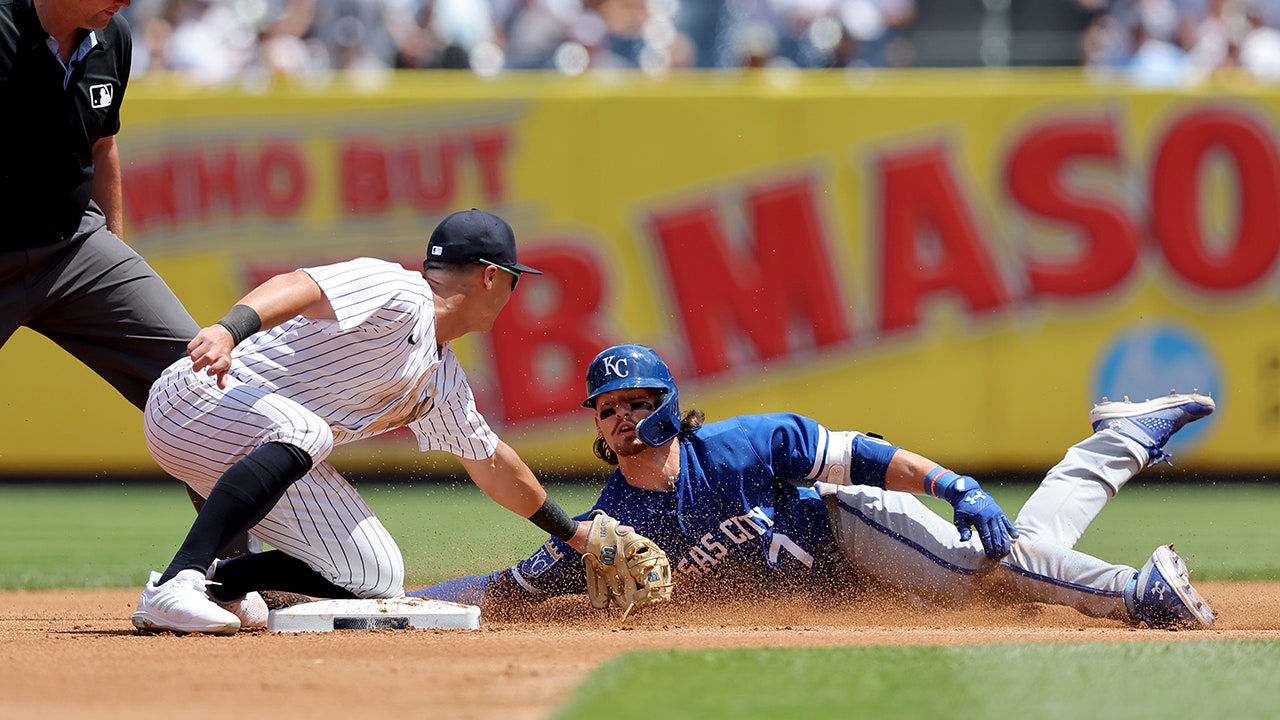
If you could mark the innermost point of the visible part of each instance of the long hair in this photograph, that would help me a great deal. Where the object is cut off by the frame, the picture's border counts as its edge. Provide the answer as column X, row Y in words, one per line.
column 691, row 421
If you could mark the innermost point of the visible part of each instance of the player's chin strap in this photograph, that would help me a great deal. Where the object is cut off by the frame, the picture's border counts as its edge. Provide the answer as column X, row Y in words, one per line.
column 663, row 423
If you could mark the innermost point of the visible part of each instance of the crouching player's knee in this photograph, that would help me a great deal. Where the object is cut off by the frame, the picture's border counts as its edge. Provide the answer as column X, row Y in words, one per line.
column 380, row 576
column 373, row 588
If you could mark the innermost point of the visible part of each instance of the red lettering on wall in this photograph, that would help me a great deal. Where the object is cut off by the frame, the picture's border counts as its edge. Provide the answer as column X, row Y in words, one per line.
column 281, row 180
column 366, row 187
column 188, row 184
column 1176, row 190
column 150, row 196
column 431, row 174
column 217, row 182
column 423, row 173
column 931, row 243
column 490, row 150
column 1106, row 242
column 550, row 330
column 777, row 292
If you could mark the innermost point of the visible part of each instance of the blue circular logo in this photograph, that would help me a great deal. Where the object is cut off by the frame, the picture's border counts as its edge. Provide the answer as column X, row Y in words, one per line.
column 1147, row 361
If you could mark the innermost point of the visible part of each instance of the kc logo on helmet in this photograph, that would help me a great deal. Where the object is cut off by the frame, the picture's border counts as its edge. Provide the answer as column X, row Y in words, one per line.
column 616, row 366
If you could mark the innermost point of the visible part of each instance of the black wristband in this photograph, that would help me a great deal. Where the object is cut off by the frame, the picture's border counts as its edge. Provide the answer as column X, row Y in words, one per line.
column 241, row 321
column 552, row 518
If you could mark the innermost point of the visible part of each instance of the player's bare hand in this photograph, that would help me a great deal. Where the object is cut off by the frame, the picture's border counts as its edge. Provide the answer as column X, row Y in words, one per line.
column 579, row 540
column 210, row 351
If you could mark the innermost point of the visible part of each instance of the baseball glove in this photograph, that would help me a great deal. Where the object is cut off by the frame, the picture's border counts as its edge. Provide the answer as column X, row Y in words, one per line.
column 624, row 568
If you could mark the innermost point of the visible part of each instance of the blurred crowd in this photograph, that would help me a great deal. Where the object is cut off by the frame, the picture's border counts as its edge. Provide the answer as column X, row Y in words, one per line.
column 240, row 41
column 1180, row 42
column 221, row 41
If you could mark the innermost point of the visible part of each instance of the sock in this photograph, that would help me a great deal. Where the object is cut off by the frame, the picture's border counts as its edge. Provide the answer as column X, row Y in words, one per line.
column 244, row 494
column 240, row 545
column 272, row 570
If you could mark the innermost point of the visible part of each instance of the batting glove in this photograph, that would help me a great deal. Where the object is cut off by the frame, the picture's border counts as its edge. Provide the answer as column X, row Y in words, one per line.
column 974, row 509
column 978, row 509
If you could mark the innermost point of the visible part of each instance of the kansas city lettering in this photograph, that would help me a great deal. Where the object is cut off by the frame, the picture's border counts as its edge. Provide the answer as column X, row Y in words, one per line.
column 709, row 551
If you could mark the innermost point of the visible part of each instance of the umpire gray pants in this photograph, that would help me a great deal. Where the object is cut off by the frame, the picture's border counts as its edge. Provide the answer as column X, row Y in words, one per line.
column 100, row 301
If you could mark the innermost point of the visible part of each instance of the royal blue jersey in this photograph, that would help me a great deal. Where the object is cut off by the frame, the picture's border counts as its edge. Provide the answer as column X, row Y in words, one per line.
column 742, row 510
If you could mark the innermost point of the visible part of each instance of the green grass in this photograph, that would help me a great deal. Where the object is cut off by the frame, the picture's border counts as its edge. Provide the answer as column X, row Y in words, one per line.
column 102, row 536
column 1225, row 532
column 105, row 536
column 1167, row 680
column 75, row 536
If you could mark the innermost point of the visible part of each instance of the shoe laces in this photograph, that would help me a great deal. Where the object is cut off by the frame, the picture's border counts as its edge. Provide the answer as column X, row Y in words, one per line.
column 1158, row 455
column 1157, row 428
column 198, row 584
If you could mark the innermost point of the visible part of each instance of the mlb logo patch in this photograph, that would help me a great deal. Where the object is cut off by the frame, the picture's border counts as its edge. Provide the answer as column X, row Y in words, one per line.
column 100, row 95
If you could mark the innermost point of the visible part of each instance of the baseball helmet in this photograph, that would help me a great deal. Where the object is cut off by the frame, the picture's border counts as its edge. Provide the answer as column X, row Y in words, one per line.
column 636, row 366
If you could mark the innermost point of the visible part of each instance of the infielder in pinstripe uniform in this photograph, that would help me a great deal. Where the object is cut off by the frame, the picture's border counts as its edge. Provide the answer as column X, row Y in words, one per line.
column 768, row 503
column 312, row 359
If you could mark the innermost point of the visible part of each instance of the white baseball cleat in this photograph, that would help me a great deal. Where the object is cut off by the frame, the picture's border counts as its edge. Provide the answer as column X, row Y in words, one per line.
column 251, row 610
column 182, row 605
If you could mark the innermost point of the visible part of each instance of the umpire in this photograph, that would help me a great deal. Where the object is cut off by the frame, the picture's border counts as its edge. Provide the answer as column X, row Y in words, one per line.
column 64, row 270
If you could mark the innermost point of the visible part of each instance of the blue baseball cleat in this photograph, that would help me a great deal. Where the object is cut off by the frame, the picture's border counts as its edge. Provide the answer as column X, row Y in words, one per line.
column 1152, row 422
column 1161, row 595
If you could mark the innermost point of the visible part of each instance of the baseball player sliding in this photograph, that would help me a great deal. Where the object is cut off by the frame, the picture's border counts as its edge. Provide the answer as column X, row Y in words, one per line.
column 718, row 498
column 309, row 360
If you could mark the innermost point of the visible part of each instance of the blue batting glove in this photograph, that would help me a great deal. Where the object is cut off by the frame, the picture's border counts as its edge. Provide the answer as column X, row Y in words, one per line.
column 974, row 508
column 978, row 509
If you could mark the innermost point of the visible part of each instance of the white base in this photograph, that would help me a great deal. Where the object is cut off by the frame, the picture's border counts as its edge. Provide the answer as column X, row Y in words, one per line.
column 392, row 614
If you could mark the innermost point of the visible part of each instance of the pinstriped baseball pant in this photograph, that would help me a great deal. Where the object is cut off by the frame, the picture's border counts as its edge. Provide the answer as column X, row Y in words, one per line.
column 896, row 539
column 195, row 431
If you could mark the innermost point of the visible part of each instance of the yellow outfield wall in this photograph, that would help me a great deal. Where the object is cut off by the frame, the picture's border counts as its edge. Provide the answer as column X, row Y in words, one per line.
column 960, row 261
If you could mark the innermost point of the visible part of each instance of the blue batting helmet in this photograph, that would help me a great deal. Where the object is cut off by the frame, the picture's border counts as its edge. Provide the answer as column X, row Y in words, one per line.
column 635, row 366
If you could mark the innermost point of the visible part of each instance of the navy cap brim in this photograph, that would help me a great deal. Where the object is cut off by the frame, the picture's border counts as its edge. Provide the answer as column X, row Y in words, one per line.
column 522, row 268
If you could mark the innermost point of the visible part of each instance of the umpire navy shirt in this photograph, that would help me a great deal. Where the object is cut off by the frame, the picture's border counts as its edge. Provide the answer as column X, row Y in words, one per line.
column 47, row 132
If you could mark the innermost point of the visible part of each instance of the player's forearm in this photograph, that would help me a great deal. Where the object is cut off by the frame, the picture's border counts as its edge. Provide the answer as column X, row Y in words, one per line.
column 271, row 303
column 907, row 472
column 286, row 296
column 508, row 481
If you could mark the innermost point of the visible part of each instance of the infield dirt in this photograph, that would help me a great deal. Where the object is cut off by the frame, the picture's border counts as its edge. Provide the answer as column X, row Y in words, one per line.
column 66, row 654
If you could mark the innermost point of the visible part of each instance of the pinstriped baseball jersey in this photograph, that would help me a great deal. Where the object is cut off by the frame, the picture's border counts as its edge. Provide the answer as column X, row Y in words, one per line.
column 315, row 384
column 377, row 368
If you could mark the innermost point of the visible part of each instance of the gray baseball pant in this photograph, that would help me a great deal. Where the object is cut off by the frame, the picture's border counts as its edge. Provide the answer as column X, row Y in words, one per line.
column 896, row 539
